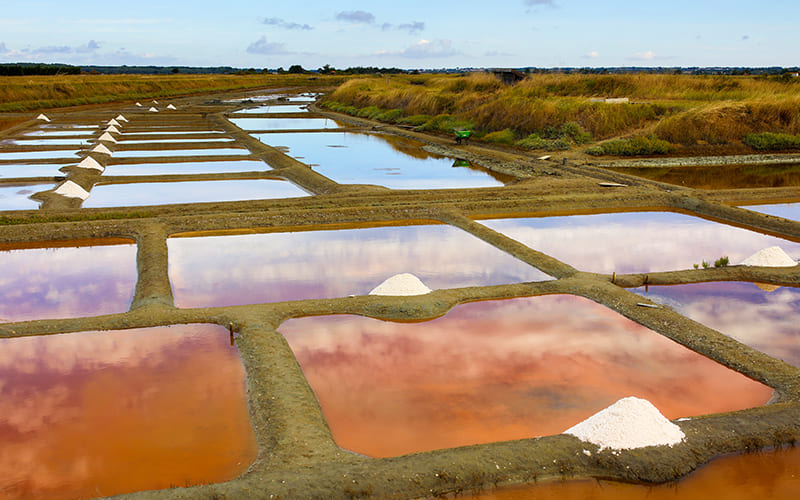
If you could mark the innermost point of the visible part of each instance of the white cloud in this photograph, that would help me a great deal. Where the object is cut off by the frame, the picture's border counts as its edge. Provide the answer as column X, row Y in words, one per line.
column 280, row 23
column 592, row 55
column 645, row 56
column 411, row 28
column 90, row 46
column 262, row 46
column 425, row 49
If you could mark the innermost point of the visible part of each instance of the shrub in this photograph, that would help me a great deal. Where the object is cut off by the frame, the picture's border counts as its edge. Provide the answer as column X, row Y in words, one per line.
column 643, row 145
column 771, row 141
column 505, row 136
column 722, row 261
column 390, row 115
column 533, row 141
column 415, row 120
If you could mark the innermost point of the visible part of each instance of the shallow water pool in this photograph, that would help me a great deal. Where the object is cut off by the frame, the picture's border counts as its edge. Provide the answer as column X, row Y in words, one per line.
column 637, row 241
column 274, row 108
column 18, row 197
column 498, row 370
column 73, row 279
column 789, row 211
column 101, row 413
column 21, row 171
column 393, row 162
column 284, row 123
column 166, row 193
column 185, row 167
column 144, row 153
column 271, row 267
column 761, row 316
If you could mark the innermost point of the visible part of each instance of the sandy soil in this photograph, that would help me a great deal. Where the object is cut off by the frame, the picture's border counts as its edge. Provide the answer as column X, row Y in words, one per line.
column 297, row 455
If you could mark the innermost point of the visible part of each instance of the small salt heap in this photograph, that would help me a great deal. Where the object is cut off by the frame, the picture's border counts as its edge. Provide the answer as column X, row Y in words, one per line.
column 90, row 163
column 170, row 106
column 71, row 190
column 401, row 284
column 138, row 104
column 101, row 149
column 43, row 118
column 121, row 118
column 107, row 137
column 153, row 110
column 113, row 122
column 629, row 423
column 770, row 257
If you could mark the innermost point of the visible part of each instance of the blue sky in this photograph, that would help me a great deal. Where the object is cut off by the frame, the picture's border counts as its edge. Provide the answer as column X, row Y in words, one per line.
column 406, row 34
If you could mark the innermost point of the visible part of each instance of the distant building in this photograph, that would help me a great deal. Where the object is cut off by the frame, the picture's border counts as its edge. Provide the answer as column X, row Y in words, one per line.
column 509, row 76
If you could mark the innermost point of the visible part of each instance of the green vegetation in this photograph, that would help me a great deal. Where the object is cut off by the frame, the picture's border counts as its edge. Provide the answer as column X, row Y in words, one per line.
column 768, row 141
column 664, row 111
column 643, row 145
column 722, row 261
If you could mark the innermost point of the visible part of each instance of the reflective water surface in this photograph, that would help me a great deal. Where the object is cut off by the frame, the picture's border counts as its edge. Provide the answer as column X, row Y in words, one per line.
column 722, row 177
column 763, row 475
column 125, row 141
column 275, row 108
column 185, row 167
column 93, row 414
column 11, row 170
column 78, row 143
column 786, row 210
column 257, row 268
column 637, row 241
column 394, row 162
column 498, row 370
column 164, row 193
column 283, row 123
column 87, row 278
column 761, row 316
column 17, row 197
column 136, row 153
column 38, row 155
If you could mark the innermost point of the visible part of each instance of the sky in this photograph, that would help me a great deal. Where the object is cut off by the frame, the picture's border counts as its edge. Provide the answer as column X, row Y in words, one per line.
column 406, row 34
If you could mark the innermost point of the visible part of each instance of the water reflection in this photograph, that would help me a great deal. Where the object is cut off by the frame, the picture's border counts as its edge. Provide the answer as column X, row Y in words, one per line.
column 38, row 155
column 770, row 474
column 65, row 282
column 276, row 108
column 257, row 268
column 164, row 193
column 19, row 171
column 638, row 241
column 186, row 167
column 17, row 197
column 126, row 142
column 765, row 320
column 102, row 413
column 721, row 177
column 786, row 210
column 137, row 153
column 499, row 370
column 284, row 123
column 394, row 162
column 77, row 143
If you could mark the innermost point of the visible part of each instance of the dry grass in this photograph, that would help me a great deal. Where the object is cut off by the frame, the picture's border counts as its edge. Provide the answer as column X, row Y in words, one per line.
column 23, row 93
column 682, row 109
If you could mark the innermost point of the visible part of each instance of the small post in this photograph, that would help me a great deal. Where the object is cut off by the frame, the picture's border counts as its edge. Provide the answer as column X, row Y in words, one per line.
column 230, row 328
column 646, row 283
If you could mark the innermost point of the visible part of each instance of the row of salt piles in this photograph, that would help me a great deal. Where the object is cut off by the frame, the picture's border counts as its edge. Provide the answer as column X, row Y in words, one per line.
column 154, row 109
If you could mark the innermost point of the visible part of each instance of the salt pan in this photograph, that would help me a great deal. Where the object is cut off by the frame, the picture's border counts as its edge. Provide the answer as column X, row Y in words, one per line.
column 629, row 423
column 71, row 190
column 770, row 257
column 401, row 284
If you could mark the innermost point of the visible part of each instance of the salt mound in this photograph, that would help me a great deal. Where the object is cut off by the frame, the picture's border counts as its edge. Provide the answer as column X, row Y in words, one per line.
column 139, row 104
column 171, row 107
column 71, row 190
column 629, row 423
column 107, row 137
column 401, row 284
column 101, row 149
column 90, row 162
column 43, row 117
column 113, row 122
column 121, row 118
column 153, row 110
column 770, row 257
column 112, row 128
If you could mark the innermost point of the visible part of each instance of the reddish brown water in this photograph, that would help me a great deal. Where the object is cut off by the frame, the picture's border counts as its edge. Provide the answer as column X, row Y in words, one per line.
column 767, row 475
column 100, row 413
column 498, row 370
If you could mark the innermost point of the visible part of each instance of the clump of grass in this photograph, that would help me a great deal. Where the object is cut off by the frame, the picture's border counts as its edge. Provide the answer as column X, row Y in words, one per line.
column 705, row 264
column 505, row 136
column 722, row 261
column 642, row 145
column 768, row 141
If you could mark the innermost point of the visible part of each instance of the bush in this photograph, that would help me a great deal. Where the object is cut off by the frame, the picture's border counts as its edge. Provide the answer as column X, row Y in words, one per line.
column 505, row 136
column 390, row 115
column 643, row 145
column 771, row 141
column 415, row 120
column 722, row 261
column 533, row 141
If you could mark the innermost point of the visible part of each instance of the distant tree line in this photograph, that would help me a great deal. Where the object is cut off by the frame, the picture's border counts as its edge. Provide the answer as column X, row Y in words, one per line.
column 25, row 69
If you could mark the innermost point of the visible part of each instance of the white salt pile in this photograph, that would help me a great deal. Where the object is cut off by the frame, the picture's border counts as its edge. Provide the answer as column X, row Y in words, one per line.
column 770, row 257
column 401, row 284
column 171, row 107
column 71, row 190
column 107, row 137
column 628, row 423
column 138, row 104
column 121, row 118
column 43, row 117
column 90, row 162
column 113, row 122
column 102, row 150
column 153, row 110
column 112, row 129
